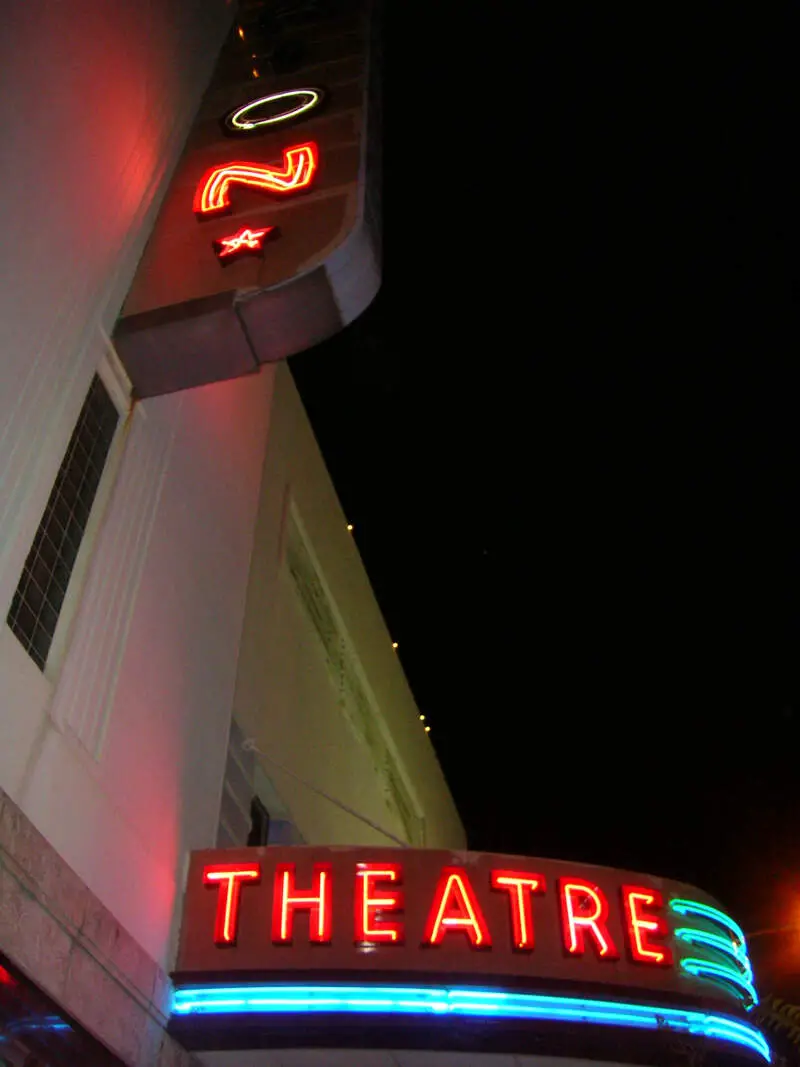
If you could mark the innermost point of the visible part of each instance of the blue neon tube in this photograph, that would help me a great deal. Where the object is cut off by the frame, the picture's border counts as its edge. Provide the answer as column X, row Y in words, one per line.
column 486, row 1003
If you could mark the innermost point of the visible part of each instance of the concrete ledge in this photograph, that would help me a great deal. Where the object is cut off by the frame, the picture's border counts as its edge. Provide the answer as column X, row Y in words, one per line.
column 68, row 943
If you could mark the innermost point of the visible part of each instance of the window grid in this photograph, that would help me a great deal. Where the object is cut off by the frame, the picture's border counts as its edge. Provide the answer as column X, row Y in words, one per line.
column 42, row 588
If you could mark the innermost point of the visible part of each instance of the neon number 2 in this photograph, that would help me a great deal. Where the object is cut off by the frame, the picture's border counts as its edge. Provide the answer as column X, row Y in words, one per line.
column 299, row 167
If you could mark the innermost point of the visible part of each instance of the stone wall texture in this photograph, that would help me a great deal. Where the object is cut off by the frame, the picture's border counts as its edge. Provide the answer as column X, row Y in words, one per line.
column 71, row 946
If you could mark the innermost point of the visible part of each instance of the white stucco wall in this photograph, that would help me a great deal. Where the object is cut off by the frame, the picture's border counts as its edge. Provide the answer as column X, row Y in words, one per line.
column 96, row 99
column 116, row 751
column 95, row 102
column 285, row 696
column 122, row 771
column 118, row 757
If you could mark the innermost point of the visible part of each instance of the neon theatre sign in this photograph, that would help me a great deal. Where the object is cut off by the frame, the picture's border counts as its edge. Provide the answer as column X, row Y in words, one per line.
column 469, row 934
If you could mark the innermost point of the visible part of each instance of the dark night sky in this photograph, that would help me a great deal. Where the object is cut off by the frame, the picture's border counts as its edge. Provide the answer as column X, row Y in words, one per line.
column 567, row 434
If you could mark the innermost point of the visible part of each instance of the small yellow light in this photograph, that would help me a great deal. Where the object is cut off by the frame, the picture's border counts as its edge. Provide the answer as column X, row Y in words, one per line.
column 422, row 718
column 394, row 644
column 255, row 73
column 349, row 527
column 427, row 729
column 240, row 31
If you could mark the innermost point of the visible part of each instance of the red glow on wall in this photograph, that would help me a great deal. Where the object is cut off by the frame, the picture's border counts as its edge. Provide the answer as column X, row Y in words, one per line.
column 584, row 910
column 372, row 903
column 455, row 908
column 643, row 927
column 520, row 887
column 246, row 241
column 299, row 167
column 287, row 900
column 229, row 877
column 6, row 978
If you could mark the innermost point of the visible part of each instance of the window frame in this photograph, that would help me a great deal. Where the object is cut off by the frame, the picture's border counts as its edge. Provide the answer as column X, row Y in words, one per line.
column 111, row 373
column 119, row 388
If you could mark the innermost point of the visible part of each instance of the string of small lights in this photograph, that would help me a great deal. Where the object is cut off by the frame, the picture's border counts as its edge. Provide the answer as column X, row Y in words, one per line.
column 350, row 528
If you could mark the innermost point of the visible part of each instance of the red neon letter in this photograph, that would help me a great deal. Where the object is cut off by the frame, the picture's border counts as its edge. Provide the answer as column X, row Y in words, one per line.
column 317, row 901
column 299, row 167
column 520, row 887
column 229, row 877
column 584, row 908
column 455, row 907
column 370, row 925
column 641, row 926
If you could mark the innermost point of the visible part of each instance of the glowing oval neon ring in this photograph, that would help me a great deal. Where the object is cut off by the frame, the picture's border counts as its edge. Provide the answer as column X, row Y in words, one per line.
column 237, row 121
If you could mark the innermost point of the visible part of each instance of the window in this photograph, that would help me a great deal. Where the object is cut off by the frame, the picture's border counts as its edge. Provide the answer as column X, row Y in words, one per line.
column 259, row 823
column 40, row 594
column 252, row 812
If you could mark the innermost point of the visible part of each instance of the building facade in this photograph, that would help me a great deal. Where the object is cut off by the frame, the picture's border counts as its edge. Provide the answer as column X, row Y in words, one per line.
column 191, row 655
column 376, row 956
column 225, row 678
column 197, row 688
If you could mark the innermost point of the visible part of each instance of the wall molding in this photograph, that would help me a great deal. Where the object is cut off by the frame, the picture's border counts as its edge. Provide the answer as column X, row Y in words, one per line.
column 355, row 698
column 85, row 689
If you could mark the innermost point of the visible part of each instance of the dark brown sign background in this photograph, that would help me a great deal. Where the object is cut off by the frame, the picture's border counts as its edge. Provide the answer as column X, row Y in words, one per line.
column 179, row 264
column 188, row 320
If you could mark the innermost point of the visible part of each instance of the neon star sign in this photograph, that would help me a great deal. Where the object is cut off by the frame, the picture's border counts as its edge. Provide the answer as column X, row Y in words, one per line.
column 245, row 242
column 257, row 115
column 213, row 194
